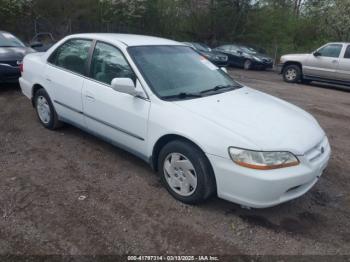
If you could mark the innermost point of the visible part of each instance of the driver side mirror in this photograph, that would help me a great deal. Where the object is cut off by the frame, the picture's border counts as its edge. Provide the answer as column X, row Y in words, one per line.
column 126, row 86
column 316, row 53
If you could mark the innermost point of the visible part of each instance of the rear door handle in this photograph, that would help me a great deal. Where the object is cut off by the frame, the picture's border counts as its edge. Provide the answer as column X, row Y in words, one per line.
column 335, row 61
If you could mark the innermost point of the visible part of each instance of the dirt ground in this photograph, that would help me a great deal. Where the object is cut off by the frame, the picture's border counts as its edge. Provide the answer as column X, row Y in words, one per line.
column 67, row 192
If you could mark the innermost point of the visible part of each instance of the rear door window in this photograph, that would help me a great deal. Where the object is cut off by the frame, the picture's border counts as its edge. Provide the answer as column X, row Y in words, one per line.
column 72, row 55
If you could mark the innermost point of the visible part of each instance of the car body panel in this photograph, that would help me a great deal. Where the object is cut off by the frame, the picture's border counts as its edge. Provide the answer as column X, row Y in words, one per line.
column 265, row 124
column 243, row 118
column 120, row 117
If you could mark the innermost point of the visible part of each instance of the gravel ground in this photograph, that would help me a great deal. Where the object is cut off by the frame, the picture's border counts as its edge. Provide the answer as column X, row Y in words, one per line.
column 66, row 192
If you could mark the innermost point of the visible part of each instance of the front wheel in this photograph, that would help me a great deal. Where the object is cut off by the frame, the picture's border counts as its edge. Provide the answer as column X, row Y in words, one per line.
column 186, row 172
column 292, row 74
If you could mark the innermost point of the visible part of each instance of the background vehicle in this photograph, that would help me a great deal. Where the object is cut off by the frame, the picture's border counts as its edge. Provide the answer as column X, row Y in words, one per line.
column 12, row 51
column 41, row 42
column 330, row 63
column 216, row 58
column 245, row 57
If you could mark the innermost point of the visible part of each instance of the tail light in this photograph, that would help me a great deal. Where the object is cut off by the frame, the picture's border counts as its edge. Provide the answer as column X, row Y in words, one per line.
column 21, row 67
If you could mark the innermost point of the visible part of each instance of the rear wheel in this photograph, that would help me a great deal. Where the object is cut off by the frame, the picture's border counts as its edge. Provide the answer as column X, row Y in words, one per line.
column 292, row 73
column 45, row 110
column 186, row 172
column 247, row 64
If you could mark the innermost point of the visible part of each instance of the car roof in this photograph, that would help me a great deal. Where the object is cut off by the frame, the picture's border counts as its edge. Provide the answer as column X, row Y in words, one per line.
column 341, row 43
column 128, row 39
column 5, row 32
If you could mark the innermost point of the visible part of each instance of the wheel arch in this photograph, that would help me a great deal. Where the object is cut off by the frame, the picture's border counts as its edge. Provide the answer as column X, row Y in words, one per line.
column 292, row 63
column 35, row 89
column 165, row 139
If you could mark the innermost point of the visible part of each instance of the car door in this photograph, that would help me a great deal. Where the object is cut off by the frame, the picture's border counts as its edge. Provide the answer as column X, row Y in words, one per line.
column 324, row 62
column 118, row 117
column 344, row 65
column 64, row 74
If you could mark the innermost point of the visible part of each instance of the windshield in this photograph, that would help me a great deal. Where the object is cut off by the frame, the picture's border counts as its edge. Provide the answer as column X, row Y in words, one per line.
column 8, row 40
column 248, row 50
column 177, row 70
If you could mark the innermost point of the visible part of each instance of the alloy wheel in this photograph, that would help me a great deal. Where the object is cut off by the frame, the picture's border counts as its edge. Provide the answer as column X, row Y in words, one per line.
column 43, row 109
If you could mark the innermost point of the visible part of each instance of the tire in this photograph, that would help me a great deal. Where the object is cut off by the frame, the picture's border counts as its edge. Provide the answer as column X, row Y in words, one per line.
column 186, row 172
column 292, row 74
column 247, row 64
column 45, row 111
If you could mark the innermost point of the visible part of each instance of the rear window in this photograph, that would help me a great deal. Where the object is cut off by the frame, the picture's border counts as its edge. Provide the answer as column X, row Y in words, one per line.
column 8, row 40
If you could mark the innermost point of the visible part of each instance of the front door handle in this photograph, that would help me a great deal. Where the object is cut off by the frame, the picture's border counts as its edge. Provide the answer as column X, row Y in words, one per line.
column 90, row 97
column 335, row 61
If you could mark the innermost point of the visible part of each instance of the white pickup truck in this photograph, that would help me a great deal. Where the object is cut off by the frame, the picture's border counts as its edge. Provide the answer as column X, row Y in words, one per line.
column 330, row 63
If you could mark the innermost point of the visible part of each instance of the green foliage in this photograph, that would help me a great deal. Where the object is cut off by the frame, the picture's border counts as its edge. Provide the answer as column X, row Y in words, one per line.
column 278, row 26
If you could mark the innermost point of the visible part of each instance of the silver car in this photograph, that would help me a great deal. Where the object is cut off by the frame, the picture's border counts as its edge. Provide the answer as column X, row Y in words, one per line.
column 330, row 63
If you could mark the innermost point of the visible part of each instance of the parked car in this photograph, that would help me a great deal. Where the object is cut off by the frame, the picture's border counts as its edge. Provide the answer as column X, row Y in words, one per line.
column 200, row 130
column 41, row 42
column 245, row 57
column 330, row 63
column 216, row 58
column 12, row 51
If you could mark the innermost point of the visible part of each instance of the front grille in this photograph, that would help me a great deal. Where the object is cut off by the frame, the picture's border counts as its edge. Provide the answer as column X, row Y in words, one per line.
column 317, row 151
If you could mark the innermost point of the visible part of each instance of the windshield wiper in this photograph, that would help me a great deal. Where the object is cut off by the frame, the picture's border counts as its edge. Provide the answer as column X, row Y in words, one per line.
column 183, row 95
column 220, row 87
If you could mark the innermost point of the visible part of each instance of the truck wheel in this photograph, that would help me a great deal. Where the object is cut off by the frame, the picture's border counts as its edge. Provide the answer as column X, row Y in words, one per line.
column 186, row 172
column 45, row 110
column 292, row 74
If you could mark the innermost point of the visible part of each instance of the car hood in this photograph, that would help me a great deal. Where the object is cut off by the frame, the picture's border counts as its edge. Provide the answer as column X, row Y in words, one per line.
column 14, row 53
column 295, row 57
column 267, row 122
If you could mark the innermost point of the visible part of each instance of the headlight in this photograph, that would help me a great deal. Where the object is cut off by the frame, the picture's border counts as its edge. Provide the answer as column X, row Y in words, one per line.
column 262, row 160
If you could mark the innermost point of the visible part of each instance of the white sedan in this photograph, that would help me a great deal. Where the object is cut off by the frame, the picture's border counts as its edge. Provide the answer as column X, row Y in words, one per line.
column 203, row 132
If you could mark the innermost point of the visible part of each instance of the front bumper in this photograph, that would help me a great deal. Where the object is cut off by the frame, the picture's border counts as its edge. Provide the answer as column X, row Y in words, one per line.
column 261, row 189
column 9, row 74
